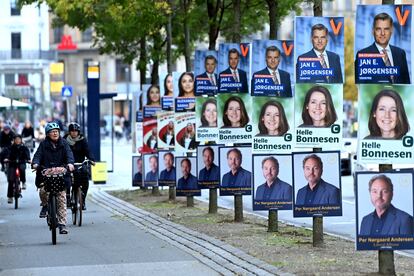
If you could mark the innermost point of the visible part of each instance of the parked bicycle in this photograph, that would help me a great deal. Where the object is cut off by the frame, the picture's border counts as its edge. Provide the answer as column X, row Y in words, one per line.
column 54, row 183
column 76, row 197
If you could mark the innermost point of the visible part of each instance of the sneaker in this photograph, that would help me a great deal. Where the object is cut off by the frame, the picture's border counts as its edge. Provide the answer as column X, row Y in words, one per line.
column 62, row 229
column 10, row 200
column 24, row 186
column 43, row 212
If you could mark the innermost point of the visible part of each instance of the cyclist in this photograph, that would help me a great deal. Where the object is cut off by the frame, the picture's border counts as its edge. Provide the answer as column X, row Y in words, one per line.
column 6, row 139
column 80, row 148
column 54, row 151
column 18, row 152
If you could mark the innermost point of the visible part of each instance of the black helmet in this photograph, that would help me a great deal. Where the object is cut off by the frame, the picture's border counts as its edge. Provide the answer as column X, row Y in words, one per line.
column 74, row 126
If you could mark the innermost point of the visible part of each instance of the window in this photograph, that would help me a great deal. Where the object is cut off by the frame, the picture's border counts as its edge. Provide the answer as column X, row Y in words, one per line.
column 87, row 35
column 85, row 69
column 9, row 79
column 57, row 34
column 16, row 45
column 14, row 8
column 123, row 72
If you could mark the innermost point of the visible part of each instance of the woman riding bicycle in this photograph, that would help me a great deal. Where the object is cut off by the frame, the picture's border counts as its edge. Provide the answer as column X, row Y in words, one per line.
column 17, row 158
column 80, row 148
column 53, row 152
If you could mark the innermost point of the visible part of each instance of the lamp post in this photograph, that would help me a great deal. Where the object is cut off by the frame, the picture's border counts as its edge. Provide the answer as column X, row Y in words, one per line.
column 128, row 80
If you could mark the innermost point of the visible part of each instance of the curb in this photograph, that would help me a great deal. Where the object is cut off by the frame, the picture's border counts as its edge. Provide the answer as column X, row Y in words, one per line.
column 219, row 256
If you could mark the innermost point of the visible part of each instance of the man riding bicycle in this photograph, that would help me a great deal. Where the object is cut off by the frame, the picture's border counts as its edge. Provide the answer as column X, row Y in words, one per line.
column 80, row 148
column 6, row 139
column 17, row 158
column 54, row 151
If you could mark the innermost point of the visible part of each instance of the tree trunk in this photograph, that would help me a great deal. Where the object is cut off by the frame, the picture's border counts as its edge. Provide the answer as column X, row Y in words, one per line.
column 187, row 54
column 142, row 62
column 317, row 8
column 236, row 21
column 169, row 39
column 215, row 11
column 272, row 5
column 157, row 49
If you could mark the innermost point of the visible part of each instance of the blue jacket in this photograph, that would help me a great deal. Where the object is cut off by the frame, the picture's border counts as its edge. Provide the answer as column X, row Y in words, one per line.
column 400, row 59
column 327, row 194
column 243, row 179
column 280, row 191
column 242, row 78
column 201, row 91
column 397, row 222
column 212, row 175
column 284, row 79
column 334, row 63
column 187, row 184
column 168, row 175
column 151, row 176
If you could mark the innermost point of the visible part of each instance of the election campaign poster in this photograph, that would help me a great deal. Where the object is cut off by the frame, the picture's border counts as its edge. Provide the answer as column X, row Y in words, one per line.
column 383, row 44
column 272, row 68
column 184, row 91
column 136, row 171
column 167, row 91
column 166, row 168
column 151, row 96
column 208, row 166
column 184, row 127
column 206, row 72
column 235, row 174
column 165, row 123
column 273, row 125
column 319, row 49
column 318, row 115
column 150, row 135
column 384, row 133
column 186, row 183
column 317, row 184
column 234, row 118
column 384, row 210
column 272, row 182
column 150, row 162
column 206, row 118
column 234, row 67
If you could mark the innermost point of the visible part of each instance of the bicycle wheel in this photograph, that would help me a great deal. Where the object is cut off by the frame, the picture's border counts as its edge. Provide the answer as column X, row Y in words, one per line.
column 53, row 217
column 16, row 193
column 80, row 206
column 74, row 206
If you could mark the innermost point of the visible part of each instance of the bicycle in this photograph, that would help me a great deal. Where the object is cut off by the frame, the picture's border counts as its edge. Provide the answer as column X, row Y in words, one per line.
column 76, row 198
column 54, row 183
column 17, row 189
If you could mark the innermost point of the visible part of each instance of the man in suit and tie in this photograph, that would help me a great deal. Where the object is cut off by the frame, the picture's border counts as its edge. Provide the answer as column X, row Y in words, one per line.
column 206, row 83
column 273, row 74
column 274, row 189
column 237, row 76
column 327, row 59
column 392, row 56
column 317, row 191
column 385, row 220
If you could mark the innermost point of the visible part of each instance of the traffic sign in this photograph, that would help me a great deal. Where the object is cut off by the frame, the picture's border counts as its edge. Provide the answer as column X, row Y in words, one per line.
column 67, row 91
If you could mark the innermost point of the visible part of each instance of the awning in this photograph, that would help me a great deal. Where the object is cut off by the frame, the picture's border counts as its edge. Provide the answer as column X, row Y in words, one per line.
column 7, row 103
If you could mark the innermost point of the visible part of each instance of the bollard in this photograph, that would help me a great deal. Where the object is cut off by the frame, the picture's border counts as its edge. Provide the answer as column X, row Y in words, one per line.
column 212, row 202
column 317, row 230
column 190, row 201
column 238, row 208
column 272, row 221
column 171, row 193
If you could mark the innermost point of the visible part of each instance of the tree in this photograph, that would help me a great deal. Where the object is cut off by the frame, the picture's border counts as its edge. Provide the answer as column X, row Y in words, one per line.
column 277, row 10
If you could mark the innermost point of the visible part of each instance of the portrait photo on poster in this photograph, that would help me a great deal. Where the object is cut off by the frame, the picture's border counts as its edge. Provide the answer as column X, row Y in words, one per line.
column 165, row 125
column 151, row 95
column 318, row 115
column 272, row 182
column 384, row 210
column 272, row 68
column 235, row 174
column 384, row 134
column 319, row 49
column 317, row 184
column 208, row 166
column 184, row 126
column 166, row 168
column 206, row 119
column 150, row 169
column 185, row 95
column 234, row 67
column 167, row 90
column 186, row 172
column 206, row 73
column 273, row 121
column 136, row 171
column 150, row 135
column 383, row 44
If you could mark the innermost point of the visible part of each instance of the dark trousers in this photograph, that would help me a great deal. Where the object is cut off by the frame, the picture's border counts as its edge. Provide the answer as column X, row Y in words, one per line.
column 11, row 177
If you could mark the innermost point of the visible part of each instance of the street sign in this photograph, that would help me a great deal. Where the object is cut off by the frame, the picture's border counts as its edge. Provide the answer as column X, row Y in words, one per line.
column 67, row 91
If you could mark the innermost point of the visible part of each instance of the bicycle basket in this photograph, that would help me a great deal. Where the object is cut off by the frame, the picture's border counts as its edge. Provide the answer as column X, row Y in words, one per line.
column 54, row 183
